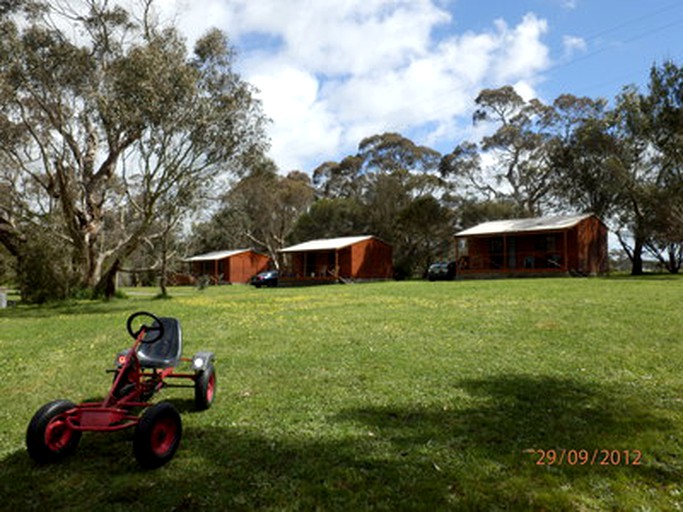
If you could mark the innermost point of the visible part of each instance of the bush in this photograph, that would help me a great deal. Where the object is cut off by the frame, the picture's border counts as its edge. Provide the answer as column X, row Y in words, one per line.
column 7, row 274
column 45, row 272
column 203, row 282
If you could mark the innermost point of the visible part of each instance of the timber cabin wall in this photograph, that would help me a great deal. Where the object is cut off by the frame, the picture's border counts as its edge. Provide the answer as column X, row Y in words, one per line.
column 241, row 267
column 580, row 249
column 237, row 268
column 367, row 259
column 592, row 243
column 530, row 253
column 371, row 259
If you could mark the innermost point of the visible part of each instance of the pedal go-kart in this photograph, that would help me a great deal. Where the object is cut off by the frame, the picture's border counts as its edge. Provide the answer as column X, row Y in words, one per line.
column 140, row 372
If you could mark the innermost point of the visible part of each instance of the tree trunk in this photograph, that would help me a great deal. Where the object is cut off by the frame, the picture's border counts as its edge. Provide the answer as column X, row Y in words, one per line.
column 93, row 264
column 637, row 258
column 10, row 238
column 106, row 285
column 675, row 252
column 162, row 275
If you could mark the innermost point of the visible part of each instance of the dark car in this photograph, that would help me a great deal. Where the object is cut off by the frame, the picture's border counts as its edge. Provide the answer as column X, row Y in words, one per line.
column 441, row 271
column 267, row 278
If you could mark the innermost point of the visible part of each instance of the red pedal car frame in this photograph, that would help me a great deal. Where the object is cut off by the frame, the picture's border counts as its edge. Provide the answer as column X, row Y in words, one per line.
column 141, row 371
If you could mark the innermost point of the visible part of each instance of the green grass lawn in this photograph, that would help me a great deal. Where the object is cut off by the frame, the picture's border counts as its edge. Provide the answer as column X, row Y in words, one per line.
column 388, row 396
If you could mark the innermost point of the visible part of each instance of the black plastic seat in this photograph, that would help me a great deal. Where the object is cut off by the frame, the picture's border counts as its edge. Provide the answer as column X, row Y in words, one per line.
column 165, row 352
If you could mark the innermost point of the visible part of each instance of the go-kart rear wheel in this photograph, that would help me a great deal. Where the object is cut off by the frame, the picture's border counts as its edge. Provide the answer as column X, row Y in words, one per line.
column 205, row 388
column 157, row 435
column 48, row 436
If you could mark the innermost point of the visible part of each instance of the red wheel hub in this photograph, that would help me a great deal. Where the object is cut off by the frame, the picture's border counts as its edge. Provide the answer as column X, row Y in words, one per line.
column 210, row 388
column 164, row 435
column 57, row 434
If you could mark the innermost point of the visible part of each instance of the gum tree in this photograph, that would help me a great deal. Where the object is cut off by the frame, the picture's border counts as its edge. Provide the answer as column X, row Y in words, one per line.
column 511, row 163
column 108, row 123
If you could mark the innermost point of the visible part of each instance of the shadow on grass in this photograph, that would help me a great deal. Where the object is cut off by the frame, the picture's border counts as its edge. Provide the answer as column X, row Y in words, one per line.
column 462, row 456
column 648, row 276
column 517, row 412
column 75, row 308
column 493, row 448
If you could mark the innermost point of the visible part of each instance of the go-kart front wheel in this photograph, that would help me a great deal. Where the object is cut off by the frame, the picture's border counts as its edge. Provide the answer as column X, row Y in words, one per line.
column 157, row 435
column 49, row 437
column 205, row 388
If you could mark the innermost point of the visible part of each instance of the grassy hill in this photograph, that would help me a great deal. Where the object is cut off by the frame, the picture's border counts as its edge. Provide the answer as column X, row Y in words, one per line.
column 547, row 394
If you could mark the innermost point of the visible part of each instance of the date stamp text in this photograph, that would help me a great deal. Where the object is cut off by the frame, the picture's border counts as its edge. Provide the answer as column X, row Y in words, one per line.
column 594, row 457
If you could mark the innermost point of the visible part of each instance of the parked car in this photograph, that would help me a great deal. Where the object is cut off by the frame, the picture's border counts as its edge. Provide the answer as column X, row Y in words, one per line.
column 441, row 271
column 268, row 278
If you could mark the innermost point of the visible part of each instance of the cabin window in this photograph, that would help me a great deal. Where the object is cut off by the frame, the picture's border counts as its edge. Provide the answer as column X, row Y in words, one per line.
column 551, row 243
column 496, row 252
column 547, row 243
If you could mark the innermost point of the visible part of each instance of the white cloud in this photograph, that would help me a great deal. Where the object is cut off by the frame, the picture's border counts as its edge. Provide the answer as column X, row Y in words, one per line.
column 341, row 37
column 335, row 71
column 303, row 129
column 192, row 17
column 521, row 53
column 573, row 45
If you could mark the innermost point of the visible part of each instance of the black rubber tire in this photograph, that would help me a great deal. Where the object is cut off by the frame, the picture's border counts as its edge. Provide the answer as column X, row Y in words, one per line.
column 157, row 435
column 205, row 388
column 48, row 437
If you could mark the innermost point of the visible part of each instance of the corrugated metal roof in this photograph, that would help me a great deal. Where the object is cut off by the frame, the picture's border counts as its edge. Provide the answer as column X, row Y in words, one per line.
column 216, row 255
column 327, row 244
column 558, row 222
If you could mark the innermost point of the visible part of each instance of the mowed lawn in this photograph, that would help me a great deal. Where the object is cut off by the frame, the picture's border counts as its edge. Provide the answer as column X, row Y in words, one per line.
column 538, row 394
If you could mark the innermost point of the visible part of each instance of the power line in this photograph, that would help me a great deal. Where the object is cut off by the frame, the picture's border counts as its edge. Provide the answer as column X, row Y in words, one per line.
column 640, row 36
column 596, row 37
column 643, row 35
column 619, row 26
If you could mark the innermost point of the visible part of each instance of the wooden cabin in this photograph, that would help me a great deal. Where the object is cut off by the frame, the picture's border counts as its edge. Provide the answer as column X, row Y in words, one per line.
column 234, row 266
column 544, row 246
column 334, row 259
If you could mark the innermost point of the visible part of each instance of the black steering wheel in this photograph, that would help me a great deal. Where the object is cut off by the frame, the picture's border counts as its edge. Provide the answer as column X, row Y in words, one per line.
column 153, row 332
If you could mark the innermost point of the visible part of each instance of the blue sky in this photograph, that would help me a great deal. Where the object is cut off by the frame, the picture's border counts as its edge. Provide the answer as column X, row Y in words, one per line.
column 331, row 72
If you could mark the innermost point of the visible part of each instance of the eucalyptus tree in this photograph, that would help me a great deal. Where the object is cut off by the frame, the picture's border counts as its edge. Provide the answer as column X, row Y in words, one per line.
column 390, row 188
column 587, row 157
column 330, row 218
column 108, row 122
column 344, row 179
column 624, row 164
column 511, row 163
column 270, row 205
column 663, row 107
column 259, row 210
column 604, row 164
